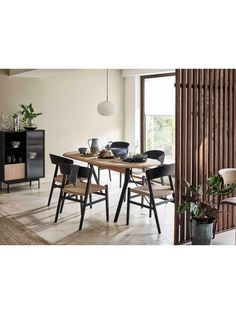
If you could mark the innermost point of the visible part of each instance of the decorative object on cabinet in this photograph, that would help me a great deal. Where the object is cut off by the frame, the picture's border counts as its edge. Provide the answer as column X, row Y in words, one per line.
column 25, row 163
column 5, row 122
column 28, row 116
column 16, row 121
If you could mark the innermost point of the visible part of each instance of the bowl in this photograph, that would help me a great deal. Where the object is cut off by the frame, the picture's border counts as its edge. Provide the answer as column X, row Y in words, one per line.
column 120, row 152
column 15, row 144
column 82, row 150
column 32, row 155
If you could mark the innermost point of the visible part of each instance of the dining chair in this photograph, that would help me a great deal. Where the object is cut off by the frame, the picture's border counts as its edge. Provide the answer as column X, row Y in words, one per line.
column 115, row 145
column 152, row 190
column 57, row 178
column 77, row 186
column 139, row 178
column 228, row 176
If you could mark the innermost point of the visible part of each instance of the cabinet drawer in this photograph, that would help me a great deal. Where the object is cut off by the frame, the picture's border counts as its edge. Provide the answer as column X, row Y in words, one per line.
column 14, row 172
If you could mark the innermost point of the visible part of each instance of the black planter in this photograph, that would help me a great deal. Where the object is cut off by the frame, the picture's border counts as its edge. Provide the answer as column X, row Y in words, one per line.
column 201, row 232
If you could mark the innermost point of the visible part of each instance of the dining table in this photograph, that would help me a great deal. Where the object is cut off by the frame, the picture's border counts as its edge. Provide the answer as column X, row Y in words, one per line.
column 114, row 164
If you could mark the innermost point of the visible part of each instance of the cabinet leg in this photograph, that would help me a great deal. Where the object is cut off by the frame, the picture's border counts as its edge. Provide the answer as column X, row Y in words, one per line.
column 30, row 183
column 38, row 183
column 8, row 188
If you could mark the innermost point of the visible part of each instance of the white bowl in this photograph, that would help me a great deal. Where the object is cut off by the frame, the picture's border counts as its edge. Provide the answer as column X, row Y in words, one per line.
column 15, row 144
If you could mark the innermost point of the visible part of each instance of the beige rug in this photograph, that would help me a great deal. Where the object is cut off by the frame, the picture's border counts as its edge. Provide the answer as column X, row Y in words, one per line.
column 13, row 232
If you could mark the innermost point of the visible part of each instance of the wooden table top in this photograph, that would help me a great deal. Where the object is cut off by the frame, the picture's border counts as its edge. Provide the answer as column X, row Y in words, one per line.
column 115, row 164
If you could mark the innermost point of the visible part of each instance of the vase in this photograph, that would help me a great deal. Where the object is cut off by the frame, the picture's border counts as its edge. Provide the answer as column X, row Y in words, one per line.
column 93, row 145
column 16, row 123
column 5, row 122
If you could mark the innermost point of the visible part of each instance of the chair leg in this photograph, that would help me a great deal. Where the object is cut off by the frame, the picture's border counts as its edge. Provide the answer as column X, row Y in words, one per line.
column 109, row 174
column 162, row 181
column 152, row 203
column 58, row 206
column 98, row 175
column 81, row 204
column 50, row 194
column 107, row 203
column 214, row 229
column 83, row 212
column 142, row 198
column 120, row 179
column 128, row 207
column 90, row 200
column 62, row 205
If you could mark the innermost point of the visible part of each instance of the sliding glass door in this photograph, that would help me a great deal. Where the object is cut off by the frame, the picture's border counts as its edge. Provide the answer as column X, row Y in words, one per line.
column 158, row 113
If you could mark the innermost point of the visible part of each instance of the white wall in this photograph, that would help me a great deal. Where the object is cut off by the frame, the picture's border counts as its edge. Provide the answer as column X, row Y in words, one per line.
column 69, row 104
column 132, row 111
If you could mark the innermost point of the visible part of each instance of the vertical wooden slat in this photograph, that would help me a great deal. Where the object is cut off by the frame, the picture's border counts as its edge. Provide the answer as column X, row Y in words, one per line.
column 205, row 122
column 230, row 135
column 183, row 148
column 234, row 132
column 177, row 154
column 211, row 124
column 195, row 128
column 189, row 139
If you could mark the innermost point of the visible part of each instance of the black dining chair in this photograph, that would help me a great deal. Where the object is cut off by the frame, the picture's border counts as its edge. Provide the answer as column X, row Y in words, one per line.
column 77, row 186
column 115, row 145
column 152, row 190
column 57, row 178
column 139, row 178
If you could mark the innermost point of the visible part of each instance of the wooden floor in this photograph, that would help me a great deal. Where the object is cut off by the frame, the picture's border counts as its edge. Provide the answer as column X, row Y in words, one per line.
column 27, row 204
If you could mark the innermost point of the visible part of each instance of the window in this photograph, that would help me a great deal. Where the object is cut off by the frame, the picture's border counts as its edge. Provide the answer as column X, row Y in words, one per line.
column 158, row 113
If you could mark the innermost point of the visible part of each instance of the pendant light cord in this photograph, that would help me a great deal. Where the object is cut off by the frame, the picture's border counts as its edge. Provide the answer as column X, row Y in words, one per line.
column 107, row 86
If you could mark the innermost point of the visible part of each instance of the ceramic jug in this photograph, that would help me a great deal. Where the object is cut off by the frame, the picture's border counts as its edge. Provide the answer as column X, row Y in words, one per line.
column 93, row 145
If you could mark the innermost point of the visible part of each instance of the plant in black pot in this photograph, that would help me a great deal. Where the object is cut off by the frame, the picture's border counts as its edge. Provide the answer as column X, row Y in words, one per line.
column 200, row 201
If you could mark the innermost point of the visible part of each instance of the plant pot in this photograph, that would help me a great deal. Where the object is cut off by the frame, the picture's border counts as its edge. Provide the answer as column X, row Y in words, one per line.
column 201, row 232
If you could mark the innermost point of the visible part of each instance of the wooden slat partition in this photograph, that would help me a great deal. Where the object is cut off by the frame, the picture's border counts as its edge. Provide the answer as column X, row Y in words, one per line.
column 205, row 135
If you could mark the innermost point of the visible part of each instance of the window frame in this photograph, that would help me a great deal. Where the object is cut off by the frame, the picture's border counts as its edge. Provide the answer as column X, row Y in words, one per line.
column 142, row 105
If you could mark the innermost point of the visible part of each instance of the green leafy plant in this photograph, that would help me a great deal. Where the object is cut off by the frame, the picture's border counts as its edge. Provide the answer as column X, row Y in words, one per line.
column 28, row 114
column 200, row 203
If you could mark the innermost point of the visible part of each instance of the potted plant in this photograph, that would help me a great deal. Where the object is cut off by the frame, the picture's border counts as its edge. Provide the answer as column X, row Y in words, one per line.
column 28, row 115
column 199, row 200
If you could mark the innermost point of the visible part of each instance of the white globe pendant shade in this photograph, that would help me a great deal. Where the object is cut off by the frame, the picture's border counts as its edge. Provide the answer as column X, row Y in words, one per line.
column 106, row 108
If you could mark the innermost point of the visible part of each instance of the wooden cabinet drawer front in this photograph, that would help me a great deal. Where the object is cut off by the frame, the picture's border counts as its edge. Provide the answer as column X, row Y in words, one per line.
column 14, row 172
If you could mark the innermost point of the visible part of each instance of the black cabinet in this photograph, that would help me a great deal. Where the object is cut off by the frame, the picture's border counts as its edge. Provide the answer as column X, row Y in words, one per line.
column 22, row 156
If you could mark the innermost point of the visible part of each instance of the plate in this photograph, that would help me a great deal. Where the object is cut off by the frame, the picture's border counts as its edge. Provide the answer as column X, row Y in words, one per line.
column 88, row 155
column 130, row 159
column 106, row 157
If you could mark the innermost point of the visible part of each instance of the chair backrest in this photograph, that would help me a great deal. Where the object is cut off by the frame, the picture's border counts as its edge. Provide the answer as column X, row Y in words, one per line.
column 56, row 160
column 119, row 145
column 65, row 170
column 156, row 154
column 79, row 172
column 161, row 171
column 228, row 175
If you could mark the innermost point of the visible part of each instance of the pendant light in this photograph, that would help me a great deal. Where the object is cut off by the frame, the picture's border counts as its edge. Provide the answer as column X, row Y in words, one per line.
column 107, row 107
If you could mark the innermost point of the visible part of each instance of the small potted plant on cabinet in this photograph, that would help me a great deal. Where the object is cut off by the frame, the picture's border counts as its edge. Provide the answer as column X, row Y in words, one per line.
column 203, row 213
column 28, row 115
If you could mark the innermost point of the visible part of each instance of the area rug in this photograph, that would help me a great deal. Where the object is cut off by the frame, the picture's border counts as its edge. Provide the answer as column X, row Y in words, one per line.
column 13, row 232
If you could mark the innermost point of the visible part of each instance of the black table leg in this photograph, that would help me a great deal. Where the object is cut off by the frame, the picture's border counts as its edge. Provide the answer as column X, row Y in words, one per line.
column 122, row 195
column 94, row 174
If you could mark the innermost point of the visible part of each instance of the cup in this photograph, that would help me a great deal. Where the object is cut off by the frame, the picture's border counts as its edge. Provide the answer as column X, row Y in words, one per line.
column 82, row 150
